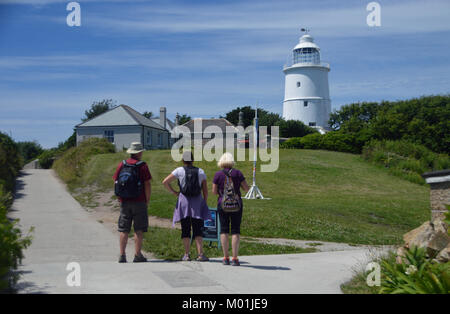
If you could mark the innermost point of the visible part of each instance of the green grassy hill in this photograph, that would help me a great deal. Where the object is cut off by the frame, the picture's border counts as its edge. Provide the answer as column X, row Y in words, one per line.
column 316, row 195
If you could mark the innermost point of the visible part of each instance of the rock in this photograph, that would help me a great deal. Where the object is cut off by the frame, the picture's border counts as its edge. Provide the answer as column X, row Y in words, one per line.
column 432, row 236
column 444, row 255
column 419, row 236
column 438, row 242
column 439, row 226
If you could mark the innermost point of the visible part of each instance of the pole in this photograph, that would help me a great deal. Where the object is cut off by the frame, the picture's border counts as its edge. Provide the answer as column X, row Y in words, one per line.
column 254, row 192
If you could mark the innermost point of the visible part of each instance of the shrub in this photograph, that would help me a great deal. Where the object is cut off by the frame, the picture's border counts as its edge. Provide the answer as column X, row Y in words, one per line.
column 405, row 159
column 421, row 120
column 294, row 128
column 70, row 165
column 46, row 158
column 29, row 150
column 417, row 274
column 293, row 142
column 10, row 162
column 11, row 242
column 312, row 141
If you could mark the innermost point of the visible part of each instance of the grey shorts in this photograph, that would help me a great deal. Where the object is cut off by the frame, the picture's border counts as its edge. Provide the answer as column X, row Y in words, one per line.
column 133, row 212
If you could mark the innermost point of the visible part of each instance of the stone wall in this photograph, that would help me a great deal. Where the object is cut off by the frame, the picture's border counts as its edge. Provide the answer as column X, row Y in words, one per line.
column 439, row 197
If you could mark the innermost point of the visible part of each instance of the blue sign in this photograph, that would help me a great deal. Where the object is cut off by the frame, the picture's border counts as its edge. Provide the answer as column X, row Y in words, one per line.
column 211, row 228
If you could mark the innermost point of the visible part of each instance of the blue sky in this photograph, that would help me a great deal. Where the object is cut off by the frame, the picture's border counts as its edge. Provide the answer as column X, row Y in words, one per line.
column 204, row 58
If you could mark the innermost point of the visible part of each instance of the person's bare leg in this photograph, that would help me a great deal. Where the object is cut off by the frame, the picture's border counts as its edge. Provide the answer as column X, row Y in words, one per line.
column 224, row 240
column 187, row 245
column 199, row 243
column 123, row 242
column 235, row 245
column 138, row 239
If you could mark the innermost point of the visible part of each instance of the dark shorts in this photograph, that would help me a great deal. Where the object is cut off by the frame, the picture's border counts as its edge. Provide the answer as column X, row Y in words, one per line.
column 197, row 227
column 230, row 218
column 133, row 212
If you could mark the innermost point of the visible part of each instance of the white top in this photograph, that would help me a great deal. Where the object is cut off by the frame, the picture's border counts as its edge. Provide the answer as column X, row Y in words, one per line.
column 306, row 41
column 179, row 173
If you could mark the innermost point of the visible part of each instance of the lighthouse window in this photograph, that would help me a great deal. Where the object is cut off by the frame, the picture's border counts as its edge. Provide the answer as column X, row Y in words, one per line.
column 305, row 104
column 298, row 84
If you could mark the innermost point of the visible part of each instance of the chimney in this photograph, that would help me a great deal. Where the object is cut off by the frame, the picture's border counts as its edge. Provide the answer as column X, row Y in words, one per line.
column 241, row 119
column 177, row 119
column 162, row 117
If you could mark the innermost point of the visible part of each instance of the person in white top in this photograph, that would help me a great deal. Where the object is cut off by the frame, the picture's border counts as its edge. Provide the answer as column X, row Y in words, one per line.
column 192, row 209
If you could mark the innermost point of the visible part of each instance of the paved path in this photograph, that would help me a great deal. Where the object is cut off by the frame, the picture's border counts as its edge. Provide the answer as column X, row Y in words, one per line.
column 65, row 233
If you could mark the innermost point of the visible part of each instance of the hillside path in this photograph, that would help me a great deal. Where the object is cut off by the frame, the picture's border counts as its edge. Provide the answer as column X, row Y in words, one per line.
column 65, row 232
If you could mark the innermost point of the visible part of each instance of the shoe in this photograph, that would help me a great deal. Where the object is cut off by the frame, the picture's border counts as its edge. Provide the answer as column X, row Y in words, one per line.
column 202, row 258
column 235, row 262
column 186, row 258
column 122, row 259
column 226, row 261
column 139, row 259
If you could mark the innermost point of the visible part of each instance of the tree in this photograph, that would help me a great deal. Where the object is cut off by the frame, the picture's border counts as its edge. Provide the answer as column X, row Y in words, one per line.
column 29, row 150
column 294, row 128
column 183, row 119
column 97, row 108
column 70, row 142
column 148, row 114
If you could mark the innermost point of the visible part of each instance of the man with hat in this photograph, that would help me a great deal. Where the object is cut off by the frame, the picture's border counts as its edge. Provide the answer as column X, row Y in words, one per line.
column 134, row 209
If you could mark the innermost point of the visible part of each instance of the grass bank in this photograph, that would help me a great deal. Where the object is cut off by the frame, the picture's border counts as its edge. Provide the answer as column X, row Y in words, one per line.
column 316, row 195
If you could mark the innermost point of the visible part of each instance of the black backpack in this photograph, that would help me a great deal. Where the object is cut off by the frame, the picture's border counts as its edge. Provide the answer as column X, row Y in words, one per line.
column 128, row 183
column 190, row 185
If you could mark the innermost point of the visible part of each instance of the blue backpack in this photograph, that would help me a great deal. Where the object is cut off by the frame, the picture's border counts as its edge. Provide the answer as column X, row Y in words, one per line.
column 128, row 183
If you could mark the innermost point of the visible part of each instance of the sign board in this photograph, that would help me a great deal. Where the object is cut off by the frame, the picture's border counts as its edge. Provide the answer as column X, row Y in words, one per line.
column 211, row 228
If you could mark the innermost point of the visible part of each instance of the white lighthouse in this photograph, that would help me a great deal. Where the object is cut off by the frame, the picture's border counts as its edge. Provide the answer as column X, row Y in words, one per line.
column 307, row 97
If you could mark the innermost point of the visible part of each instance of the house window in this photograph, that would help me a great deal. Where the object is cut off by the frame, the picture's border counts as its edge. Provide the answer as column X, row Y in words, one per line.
column 160, row 139
column 312, row 124
column 109, row 135
column 305, row 104
column 149, row 138
column 299, row 84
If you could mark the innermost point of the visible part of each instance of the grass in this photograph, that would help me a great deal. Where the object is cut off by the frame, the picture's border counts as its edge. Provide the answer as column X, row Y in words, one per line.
column 166, row 244
column 358, row 285
column 316, row 195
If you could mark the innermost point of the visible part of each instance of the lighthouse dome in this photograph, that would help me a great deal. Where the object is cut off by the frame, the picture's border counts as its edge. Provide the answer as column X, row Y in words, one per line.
column 306, row 51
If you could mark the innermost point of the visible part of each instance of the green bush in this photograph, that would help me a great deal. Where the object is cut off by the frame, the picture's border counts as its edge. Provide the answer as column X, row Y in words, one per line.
column 70, row 165
column 11, row 241
column 29, row 150
column 46, row 158
column 405, row 159
column 423, row 120
column 293, row 142
column 417, row 274
column 11, row 245
column 312, row 141
column 10, row 162
column 293, row 128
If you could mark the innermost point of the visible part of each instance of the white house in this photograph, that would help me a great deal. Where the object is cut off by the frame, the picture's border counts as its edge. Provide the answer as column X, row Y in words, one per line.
column 123, row 125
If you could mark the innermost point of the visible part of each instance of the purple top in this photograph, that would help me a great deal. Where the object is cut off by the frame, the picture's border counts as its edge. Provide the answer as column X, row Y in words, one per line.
column 220, row 178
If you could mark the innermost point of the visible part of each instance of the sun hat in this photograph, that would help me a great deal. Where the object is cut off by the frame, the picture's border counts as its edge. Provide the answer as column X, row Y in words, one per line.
column 187, row 156
column 135, row 148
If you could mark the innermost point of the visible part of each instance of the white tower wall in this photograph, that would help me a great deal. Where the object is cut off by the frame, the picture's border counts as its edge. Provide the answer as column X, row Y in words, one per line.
column 307, row 96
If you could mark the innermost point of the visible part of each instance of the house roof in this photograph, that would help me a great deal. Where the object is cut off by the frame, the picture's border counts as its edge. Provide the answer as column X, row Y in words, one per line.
column 169, row 124
column 120, row 115
column 221, row 123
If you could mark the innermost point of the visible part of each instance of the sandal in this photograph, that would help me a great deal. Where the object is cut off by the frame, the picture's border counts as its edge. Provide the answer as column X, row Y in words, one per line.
column 186, row 258
column 202, row 258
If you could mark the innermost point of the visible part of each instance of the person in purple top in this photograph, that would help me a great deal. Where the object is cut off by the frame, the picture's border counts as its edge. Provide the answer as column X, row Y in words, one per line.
column 191, row 209
column 226, row 162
